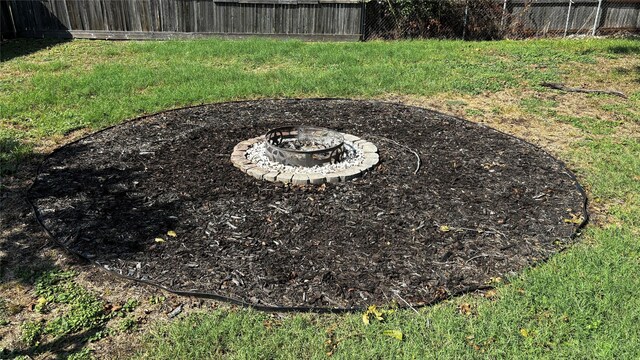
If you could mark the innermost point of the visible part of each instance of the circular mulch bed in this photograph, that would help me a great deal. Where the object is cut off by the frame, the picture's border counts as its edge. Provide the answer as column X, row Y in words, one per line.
column 482, row 204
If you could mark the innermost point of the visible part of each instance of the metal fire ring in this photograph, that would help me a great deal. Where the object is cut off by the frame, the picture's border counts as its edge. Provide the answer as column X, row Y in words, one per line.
column 331, row 142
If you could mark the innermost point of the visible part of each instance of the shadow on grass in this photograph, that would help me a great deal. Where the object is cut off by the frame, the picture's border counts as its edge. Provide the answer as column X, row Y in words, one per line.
column 59, row 348
column 13, row 152
column 632, row 49
column 15, row 48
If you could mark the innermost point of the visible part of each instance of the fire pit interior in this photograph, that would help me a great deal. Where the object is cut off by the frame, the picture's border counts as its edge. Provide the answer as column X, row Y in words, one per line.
column 428, row 206
column 304, row 146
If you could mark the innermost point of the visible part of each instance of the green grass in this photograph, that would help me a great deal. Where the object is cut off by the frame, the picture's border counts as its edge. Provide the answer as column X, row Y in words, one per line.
column 591, row 125
column 583, row 303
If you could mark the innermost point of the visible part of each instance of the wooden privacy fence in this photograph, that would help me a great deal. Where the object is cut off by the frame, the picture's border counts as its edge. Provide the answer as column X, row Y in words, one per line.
column 313, row 19
column 162, row 19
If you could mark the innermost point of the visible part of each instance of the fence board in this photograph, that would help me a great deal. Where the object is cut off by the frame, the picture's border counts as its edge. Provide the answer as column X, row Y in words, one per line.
column 7, row 25
column 260, row 17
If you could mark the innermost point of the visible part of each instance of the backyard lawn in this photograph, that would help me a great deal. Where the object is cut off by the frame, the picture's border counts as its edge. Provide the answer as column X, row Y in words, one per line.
column 582, row 303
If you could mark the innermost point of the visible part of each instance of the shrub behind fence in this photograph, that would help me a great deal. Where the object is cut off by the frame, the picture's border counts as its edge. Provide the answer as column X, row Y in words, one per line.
column 497, row 19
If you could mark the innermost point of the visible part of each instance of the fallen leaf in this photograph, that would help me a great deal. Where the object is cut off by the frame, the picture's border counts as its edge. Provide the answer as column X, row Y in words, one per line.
column 490, row 293
column 465, row 309
column 372, row 311
column 172, row 233
column 159, row 240
column 574, row 219
column 396, row 334
column 444, row 228
column 365, row 318
column 377, row 313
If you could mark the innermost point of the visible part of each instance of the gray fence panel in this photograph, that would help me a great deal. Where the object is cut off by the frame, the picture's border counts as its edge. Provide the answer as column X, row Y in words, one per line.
column 187, row 18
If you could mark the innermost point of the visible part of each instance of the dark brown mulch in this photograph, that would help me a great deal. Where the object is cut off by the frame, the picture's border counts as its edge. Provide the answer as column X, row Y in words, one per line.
column 483, row 204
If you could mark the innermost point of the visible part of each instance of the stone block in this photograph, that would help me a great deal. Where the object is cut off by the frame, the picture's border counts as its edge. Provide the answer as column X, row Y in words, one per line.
column 369, row 148
column 316, row 179
column 333, row 178
column 271, row 176
column 351, row 138
column 300, row 179
column 243, row 146
column 257, row 172
column 246, row 166
column 284, row 177
column 349, row 174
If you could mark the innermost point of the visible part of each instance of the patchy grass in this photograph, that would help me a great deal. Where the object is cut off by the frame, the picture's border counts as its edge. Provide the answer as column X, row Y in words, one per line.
column 72, row 309
column 14, row 149
column 82, row 310
column 583, row 303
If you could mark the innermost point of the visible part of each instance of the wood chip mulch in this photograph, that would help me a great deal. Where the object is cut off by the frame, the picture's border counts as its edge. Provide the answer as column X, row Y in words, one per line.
column 482, row 205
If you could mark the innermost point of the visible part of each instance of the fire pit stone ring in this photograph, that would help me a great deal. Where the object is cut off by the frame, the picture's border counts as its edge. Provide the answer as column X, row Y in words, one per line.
column 306, row 166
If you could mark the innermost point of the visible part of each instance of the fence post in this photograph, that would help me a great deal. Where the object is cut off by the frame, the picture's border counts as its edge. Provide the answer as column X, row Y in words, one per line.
column 596, row 22
column 466, row 18
column 504, row 14
column 363, row 21
column 566, row 25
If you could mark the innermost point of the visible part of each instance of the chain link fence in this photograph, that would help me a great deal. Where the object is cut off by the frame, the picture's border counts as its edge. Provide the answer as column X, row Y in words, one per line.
column 498, row 19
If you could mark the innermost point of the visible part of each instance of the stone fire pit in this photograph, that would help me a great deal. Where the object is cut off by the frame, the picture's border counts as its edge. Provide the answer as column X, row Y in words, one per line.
column 305, row 155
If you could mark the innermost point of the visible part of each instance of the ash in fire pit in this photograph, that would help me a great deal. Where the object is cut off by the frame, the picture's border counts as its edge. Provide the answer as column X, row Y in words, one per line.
column 305, row 154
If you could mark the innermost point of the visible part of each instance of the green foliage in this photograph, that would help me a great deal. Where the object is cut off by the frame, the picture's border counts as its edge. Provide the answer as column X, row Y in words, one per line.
column 84, row 354
column 83, row 309
column 154, row 300
column 394, row 19
column 127, row 324
column 31, row 332
column 130, row 305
